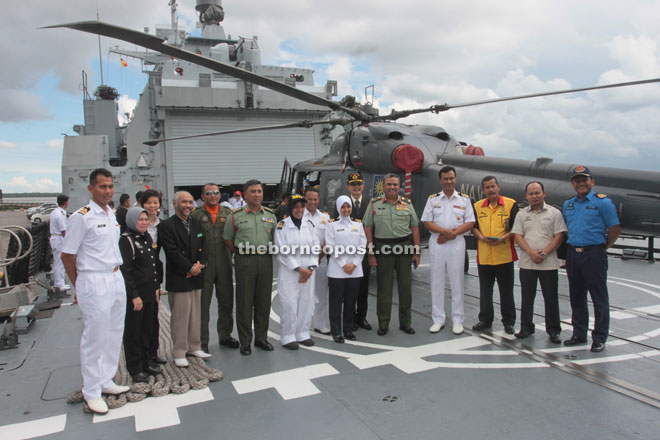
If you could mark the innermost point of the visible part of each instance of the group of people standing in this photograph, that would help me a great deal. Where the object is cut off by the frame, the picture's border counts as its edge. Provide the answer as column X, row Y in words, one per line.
column 118, row 277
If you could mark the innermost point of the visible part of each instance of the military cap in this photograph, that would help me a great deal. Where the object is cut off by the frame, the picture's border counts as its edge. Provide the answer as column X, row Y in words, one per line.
column 355, row 177
column 580, row 170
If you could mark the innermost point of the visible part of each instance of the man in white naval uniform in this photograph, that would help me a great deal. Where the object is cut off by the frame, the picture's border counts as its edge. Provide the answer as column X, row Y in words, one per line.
column 57, row 233
column 297, row 241
column 92, row 258
column 320, row 220
column 447, row 215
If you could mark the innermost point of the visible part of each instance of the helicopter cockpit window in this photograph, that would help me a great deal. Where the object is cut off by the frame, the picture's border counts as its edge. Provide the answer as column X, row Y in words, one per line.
column 308, row 179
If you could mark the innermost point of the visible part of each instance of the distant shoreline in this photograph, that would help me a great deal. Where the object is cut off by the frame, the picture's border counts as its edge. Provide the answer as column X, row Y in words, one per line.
column 28, row 194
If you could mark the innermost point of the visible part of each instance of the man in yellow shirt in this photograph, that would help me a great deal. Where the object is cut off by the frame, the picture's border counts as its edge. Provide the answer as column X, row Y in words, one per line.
column 495, row 254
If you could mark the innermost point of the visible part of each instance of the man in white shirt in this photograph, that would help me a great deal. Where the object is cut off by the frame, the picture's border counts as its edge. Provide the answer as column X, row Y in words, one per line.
column 320, row 221
column 237, row 201
column 539, row 230
column 92, row 258
column 57, row 233
column 447, row 216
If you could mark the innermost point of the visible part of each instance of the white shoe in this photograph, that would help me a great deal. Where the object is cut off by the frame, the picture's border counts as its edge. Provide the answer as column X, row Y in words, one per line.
column 181, row 363
column 436, row 327
column 200, row 354
column 117, row 389
column 97, row 406
column 457, row 329
column 65, row 287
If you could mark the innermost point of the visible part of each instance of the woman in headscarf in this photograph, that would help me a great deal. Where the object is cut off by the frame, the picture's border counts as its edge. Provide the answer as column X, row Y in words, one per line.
column 346, row 243
column 297, row 257
column 143, row 277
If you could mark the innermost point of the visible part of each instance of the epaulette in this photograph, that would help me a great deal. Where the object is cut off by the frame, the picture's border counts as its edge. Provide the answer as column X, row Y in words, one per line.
column 333, row 220
column 268, row 209
column 357, row 220
column 323, row 212
column 84, row 210
column 601, row 195
column 280, row 225
column 236, row 210
column 375, row 199
column 464, row 195
column 406, row 199
column 434, row 195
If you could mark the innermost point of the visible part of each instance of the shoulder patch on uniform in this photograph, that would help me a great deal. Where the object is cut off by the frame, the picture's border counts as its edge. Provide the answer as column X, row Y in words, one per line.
column 601, row 195
column 323, row 212
column 267, row 209
column 280, row 225
column 237, row 210
column 84, row 210
column 464, row 195
column 434, row 195
column 333, row 220
column 357, row 220
column 375, row 199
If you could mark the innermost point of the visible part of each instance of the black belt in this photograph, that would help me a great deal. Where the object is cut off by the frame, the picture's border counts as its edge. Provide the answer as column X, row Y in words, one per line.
column 586, row 248
column 392, row 240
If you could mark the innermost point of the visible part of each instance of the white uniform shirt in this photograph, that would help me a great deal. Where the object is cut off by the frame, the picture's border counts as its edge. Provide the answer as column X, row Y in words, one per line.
column 237, row 203
column 538, row 229
column 320, row 220
column 92, row 235
column 345, row 232
column 57, row 221
column 449, row 212
column 287, row 234
column 152, row 229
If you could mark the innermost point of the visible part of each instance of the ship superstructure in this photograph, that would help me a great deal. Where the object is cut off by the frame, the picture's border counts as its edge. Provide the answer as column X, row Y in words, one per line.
column 182, row 98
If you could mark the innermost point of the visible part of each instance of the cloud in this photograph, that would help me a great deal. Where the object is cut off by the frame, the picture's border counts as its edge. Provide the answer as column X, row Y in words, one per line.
column 55, row 144
column 5, row 144
column 25, row 106
column 125, row 106
column 21, row 184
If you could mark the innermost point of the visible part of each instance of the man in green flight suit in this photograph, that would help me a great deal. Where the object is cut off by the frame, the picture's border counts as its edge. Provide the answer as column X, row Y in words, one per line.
column 248, row 233
column 391, row 226
column 217, row 273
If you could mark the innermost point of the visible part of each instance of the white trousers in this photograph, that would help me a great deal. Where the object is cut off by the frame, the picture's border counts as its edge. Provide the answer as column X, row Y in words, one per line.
column 102, row 300
column 296, row 303
column 56, row 242
column 447, row 258
column 321, row 296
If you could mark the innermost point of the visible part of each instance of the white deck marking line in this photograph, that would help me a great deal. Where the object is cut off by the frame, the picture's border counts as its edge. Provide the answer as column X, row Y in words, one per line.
column 34, row 428
column 290, row 384
column 157, row 412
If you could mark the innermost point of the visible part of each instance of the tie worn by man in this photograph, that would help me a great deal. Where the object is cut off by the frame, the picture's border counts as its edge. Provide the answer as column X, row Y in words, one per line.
column 392, row 229
column 539, row 230
column 593, row 226
column 91, row 257
column 218, row 270
column 182, row 240
column 495, row 254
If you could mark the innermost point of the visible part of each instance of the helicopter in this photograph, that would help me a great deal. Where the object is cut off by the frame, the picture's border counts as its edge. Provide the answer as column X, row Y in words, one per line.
column 376, row 145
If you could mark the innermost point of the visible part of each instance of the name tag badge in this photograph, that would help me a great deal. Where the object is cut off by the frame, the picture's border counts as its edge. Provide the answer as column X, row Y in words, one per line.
column 101, row 226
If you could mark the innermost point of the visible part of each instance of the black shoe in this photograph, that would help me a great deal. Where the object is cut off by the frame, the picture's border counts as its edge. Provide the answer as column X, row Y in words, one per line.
column 264, row 345
column 290, row 346
column 230, row 342
column 338, row 338
column 482, row 326
column 382, row 331
column 509, row 330
column 246, row 350
column 318, row 330
column 597, row 347
column 355, row 326
column 309, row 342
column 141, row 377
column 363, row 323
column 575, row 341
column 158, row 360
column 153, row 369
column 205, row 348
column 555, row 339
column 349, row 336
column 409, row 330
column 522, row 334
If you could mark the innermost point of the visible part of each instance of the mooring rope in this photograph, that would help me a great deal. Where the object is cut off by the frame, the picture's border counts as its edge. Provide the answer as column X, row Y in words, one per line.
column 172, row 380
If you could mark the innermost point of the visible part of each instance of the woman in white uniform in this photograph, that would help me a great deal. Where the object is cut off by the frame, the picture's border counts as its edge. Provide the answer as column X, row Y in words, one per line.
column 297, row 257
column 348, row 242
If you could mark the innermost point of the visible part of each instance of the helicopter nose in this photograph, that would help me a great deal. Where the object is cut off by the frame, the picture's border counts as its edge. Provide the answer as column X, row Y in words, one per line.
column 408, row 158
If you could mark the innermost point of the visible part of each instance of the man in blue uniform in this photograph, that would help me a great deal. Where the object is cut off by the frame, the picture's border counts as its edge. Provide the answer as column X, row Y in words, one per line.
column 593, row 226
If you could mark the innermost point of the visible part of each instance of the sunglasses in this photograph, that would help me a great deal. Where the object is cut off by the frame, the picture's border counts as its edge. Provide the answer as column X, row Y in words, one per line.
column 356, row 183
column 212, row 193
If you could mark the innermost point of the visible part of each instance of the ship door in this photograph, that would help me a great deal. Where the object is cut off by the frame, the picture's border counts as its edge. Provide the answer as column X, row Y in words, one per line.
column 286, row 181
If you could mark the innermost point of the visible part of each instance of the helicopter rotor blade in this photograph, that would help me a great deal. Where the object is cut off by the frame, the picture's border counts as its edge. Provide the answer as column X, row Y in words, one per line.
column 299, row 124
column 445, row 107
column 158, row 44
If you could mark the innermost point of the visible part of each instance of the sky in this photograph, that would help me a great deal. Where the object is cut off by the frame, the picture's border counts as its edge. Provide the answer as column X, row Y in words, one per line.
column 417, row 53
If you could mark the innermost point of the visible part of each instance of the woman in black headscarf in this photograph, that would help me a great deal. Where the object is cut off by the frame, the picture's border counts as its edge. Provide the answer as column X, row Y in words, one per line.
column 143, row 276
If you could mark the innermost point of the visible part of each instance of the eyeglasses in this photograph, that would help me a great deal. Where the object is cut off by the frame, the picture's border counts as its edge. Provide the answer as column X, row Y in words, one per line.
column 212, row 193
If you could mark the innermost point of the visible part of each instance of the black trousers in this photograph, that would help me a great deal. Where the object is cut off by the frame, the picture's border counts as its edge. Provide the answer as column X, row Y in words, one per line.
column 138, row 334
column 549, row 280
column 503, row 273
column 155, row 343
column 587, row 271
column 363, row 290
column 341, row 303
